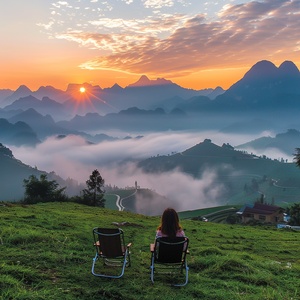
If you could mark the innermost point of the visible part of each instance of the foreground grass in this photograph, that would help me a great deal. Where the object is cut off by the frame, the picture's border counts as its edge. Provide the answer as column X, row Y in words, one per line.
column 47, row 250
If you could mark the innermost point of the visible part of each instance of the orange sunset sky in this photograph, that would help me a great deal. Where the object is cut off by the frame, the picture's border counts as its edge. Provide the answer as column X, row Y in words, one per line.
column 197, row 44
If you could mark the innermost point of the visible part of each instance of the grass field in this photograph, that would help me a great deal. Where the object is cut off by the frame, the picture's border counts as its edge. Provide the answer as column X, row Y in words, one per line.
column 47, row 251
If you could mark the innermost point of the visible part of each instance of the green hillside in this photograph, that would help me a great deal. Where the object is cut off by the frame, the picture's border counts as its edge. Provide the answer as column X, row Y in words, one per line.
column 238, row 171
column 47, row 251
column 12, row 174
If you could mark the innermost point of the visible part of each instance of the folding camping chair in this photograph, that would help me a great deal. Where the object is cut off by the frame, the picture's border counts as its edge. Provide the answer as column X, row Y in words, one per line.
column 168, row 256
column 110, row 247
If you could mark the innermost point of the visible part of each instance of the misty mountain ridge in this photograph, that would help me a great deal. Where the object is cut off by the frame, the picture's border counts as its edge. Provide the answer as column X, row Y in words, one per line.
column 265, row 91
column 114, row 99
column 226, row 169
column 29, row 128
column 254, row 104
column 195, row 158
column 43, row 125
column 145, row 81
column 286, row 142
column 229, row 171
column 17, row 134
column 21, row 91
column 267, row 98
column 13, row 172
column 264, row 87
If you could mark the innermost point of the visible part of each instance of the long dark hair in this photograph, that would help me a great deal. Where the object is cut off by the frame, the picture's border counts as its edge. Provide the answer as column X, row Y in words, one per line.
column 169, row 222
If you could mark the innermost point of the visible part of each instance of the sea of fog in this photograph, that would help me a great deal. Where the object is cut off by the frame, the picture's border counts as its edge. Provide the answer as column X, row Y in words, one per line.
column 72, row 157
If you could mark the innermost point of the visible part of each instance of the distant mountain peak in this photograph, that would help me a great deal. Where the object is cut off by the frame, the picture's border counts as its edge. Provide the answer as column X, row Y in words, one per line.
column 116, row 87
column 261, row 69
column 266, row 69
column 289, row 68
column 145, row 81
column 23, row 89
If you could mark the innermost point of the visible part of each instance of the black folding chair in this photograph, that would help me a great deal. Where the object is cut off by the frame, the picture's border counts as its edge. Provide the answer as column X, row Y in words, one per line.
column 110, row 247
column 168, row 256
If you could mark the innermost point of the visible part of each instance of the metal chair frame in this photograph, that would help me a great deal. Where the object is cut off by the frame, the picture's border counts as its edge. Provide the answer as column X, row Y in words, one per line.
column 170, row 255
column 110, row 247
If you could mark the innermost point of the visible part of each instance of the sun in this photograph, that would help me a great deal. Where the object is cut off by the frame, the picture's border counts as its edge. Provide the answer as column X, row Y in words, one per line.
column 82, row 90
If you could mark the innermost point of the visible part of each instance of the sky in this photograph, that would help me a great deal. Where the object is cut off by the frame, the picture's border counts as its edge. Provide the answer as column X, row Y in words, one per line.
column 196, row 44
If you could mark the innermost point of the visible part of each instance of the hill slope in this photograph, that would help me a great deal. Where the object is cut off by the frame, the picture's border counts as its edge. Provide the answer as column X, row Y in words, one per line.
column 51, row 257
column 235, row 170
column 12, row 174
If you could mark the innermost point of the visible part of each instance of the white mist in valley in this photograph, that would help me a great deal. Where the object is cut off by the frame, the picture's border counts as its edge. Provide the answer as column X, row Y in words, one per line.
column 72, row 157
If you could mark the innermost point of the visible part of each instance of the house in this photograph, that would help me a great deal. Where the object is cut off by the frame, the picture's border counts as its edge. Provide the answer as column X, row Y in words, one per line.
column 263, row 213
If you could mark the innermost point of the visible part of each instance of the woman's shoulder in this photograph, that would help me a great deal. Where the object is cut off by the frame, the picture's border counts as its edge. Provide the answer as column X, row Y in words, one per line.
column 180, row 233
column 159, row 233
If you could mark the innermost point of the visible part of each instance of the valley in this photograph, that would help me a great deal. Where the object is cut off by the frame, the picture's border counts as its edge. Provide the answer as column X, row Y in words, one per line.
column 191, row 148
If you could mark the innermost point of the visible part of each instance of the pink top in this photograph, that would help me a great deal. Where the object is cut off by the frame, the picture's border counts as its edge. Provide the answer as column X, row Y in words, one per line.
column 180, row 233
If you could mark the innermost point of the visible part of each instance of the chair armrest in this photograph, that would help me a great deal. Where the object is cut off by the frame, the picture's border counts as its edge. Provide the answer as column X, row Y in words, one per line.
column 152, row 246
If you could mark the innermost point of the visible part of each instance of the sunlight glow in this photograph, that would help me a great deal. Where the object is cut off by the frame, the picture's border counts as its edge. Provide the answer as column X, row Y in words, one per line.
column 82, row 89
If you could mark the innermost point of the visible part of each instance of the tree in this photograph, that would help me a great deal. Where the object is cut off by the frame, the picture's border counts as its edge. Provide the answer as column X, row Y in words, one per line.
column 42, row 190
column 294, row 212
column 297, row 157
column 94, row 193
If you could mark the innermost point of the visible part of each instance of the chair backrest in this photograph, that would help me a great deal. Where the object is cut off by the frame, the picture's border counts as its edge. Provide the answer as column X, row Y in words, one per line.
column 171, row 250
column 111, row 241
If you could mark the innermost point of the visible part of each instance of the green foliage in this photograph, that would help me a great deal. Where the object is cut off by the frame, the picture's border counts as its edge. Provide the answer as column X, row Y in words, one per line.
column 47, row 251
column 242, row 177
column 42, row 190
column 294, row 213
column 94, row 192
column 297, row 157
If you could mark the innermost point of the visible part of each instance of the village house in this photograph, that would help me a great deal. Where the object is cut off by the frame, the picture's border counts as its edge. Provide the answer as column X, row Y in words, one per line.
column 263, row 213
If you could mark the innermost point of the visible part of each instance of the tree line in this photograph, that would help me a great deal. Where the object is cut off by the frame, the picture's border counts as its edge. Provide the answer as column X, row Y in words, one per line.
column 44, row 190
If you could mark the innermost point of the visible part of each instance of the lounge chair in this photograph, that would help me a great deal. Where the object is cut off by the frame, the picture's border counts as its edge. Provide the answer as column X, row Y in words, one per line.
column 111, row 249
column 168, row 256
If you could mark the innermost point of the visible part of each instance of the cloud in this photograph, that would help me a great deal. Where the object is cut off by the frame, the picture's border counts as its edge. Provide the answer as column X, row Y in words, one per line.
column 243, row 33
column 167, row 39
column 183, row 191
column 72, row 157
column 158, row 3
column 179, row 44
column 273, row 153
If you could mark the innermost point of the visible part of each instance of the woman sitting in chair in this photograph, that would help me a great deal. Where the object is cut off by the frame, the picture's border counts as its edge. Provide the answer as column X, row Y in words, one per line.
column 170, row 247
column 169, row 226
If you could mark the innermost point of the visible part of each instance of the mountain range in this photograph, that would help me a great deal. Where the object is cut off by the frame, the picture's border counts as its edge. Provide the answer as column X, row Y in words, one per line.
column 265, row 93
column 145, row 94
column 265, row 99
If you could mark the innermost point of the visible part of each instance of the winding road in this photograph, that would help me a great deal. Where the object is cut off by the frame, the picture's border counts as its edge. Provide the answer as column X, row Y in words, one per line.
column 119, row 201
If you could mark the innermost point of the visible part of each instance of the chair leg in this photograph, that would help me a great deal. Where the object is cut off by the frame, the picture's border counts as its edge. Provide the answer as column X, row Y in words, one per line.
column 125, row 261
column 186, row 277
column 152, row 269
